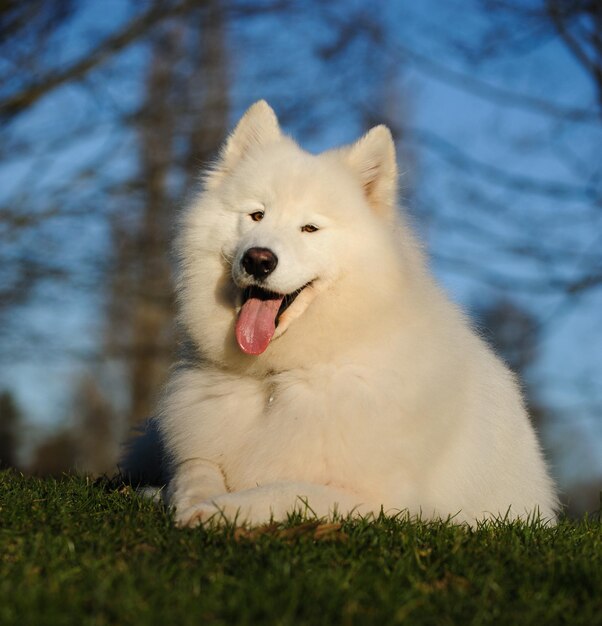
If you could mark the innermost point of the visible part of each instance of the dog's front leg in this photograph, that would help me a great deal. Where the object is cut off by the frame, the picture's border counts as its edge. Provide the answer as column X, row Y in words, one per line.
column 193, row 482
column 275, row 501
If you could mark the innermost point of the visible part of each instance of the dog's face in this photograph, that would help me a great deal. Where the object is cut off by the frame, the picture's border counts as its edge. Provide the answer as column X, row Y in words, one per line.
column 291, row 230
column 283, row 226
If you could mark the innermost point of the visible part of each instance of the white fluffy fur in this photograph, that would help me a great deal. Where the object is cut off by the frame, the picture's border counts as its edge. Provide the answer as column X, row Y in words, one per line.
column 375, row 392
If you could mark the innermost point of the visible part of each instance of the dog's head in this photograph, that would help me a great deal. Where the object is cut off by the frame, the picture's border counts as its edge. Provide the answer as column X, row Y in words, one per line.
column 275, row 228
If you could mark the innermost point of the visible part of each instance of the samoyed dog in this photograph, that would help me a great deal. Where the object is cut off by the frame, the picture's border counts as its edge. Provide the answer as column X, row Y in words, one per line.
column 330, row 375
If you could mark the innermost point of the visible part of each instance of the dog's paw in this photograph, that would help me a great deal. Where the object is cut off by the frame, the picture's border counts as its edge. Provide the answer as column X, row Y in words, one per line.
column 195, row 482
column 199, row 514
column 229, row 508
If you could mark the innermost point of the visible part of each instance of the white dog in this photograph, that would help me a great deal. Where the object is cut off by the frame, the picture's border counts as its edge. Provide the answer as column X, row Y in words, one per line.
column 331, row 373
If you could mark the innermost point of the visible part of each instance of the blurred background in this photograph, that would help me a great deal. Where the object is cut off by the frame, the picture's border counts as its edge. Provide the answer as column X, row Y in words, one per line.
column 108, row 110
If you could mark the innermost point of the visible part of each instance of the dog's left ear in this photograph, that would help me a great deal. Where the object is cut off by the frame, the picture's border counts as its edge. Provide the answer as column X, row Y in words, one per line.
column 258, row 126
column 373, row 160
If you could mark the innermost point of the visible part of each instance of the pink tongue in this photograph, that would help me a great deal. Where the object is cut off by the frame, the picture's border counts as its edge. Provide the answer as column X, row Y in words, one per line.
column 256, row 324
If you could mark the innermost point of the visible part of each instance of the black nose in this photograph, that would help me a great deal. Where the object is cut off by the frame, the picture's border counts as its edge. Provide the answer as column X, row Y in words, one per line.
column 259, row 262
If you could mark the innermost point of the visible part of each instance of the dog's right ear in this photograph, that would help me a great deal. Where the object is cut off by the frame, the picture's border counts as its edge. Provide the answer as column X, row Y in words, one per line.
column 259, row 125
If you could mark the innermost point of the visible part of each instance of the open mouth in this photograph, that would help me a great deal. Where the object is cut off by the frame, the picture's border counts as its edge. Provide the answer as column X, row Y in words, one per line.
column 264, row 295
column 260, row 314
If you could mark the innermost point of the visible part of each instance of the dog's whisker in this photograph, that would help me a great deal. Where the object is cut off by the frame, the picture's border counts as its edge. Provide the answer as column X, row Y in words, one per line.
column 229, row 260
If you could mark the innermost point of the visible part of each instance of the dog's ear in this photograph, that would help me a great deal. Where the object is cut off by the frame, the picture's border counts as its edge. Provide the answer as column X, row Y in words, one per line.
column 372, row 159
column 259, row 125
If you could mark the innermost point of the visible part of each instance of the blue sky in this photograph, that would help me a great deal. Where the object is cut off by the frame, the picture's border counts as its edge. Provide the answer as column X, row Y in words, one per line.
column 274, row 58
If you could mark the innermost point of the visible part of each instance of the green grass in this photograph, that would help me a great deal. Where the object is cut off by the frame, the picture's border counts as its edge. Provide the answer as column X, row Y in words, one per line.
column 76, row 552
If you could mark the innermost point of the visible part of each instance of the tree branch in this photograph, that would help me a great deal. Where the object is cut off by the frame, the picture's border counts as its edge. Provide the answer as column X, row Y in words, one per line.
column 517, row 182
column 556, row 16
column 30, row 94
column 490, row 92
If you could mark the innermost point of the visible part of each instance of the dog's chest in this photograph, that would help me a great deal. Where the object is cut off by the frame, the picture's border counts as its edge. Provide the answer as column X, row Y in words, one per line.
column 323, row 426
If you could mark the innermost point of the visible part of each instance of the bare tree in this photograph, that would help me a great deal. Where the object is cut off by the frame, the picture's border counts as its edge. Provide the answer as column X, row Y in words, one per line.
column 10, row 417
column 179, row 128
column 56, row 455
column 95, row 429
column 567, row 134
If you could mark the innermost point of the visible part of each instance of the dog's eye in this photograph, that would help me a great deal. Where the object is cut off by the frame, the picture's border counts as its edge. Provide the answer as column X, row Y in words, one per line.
column 309, row 228
column 257, row 216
